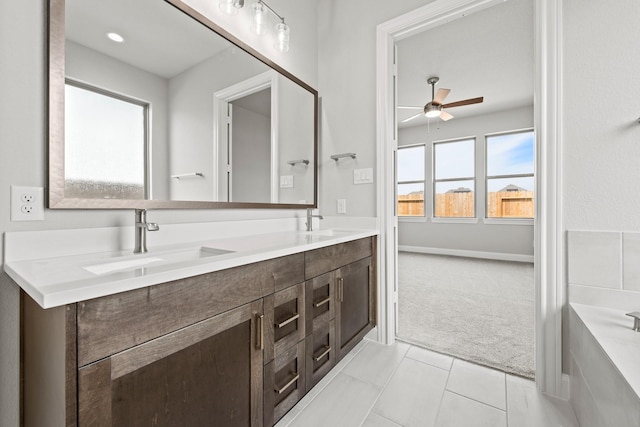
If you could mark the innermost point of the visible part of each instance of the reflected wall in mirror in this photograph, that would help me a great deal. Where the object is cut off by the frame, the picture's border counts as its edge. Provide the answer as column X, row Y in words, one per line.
column 174, row 115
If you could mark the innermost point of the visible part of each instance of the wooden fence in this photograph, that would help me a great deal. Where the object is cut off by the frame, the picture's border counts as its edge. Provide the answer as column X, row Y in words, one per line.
column 501, row 204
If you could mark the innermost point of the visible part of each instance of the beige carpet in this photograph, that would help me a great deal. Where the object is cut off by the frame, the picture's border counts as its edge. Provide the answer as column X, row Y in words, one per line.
column 478, row 310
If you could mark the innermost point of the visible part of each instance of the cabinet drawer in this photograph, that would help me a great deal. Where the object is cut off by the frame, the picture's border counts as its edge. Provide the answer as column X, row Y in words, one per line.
column 114, row 323
column 320, row 351
column 284, row 383
column 288, row 323
column 323, row 260
column 320, row 297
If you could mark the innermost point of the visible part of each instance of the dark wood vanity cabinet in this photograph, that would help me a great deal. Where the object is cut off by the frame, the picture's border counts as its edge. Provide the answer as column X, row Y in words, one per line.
column 237, row 347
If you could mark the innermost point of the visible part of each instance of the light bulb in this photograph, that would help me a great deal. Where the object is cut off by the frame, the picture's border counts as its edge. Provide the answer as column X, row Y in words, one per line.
column 282, row 37
column 228, row 7
column 258, row 18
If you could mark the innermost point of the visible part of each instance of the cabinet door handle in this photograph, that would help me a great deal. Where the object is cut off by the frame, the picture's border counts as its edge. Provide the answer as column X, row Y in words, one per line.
column 260, row 332
column 289, row 320
column 319, row 303
column 287, row 385
column 319, row 357
column 340, row 289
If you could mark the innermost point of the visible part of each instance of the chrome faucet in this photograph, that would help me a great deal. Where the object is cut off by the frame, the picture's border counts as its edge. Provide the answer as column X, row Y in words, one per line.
column 310, row 217
column 636, row 320
column 140, row 229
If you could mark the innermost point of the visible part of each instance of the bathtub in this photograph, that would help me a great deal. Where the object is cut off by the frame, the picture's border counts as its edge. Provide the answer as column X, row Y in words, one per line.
column 604, row 366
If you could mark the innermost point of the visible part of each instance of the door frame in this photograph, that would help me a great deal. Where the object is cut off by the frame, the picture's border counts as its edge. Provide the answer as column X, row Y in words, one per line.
column 221, row 99
column 550, row 293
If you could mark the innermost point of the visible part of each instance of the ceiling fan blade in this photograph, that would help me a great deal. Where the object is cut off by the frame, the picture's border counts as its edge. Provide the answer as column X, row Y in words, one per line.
column 412, row 117
column 464, row 102
column 445, row 116
column 409, row 107
column 441, row 95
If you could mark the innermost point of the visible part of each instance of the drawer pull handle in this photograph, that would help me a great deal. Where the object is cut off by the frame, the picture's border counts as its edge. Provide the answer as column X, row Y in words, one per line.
column 341, row 289
column 323, row 302
column 289, row 320
column 260, row 332
column 287, row 385
column 319, row 357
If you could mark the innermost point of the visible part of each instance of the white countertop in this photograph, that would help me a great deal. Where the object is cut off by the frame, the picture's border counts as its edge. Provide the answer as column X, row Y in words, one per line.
column 58, row 280
column 612, row 329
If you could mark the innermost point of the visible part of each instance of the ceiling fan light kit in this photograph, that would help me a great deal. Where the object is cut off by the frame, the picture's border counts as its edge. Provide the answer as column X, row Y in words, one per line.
column 435, row 107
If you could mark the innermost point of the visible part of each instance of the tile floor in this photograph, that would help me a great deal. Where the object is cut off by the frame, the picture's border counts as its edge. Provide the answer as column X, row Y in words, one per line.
column 404, row 385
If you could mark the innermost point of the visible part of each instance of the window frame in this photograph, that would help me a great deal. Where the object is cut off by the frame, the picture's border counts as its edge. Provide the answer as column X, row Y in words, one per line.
column 507, row 220
column 413, row 218
column 461, row 219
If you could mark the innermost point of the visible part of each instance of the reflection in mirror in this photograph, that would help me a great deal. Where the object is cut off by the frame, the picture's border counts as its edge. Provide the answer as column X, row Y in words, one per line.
column 174, row 112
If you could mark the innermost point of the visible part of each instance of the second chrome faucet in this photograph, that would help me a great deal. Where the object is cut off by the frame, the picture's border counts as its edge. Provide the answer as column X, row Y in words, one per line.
column 310, row 217
column 140, row 229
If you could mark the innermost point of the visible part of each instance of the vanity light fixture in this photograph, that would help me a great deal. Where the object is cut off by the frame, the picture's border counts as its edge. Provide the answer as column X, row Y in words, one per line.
column 258, row 9
column 115, row 37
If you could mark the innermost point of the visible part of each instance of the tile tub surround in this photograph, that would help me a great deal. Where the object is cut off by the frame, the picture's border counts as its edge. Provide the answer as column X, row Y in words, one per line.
column 605, row 374
column 53, row 273
column 603, row 268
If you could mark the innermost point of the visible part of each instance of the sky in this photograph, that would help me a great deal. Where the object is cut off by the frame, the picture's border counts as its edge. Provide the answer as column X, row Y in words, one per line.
column 507, row 154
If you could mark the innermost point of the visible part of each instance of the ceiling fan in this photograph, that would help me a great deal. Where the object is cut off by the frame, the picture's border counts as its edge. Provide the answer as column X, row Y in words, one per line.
column 435, row 107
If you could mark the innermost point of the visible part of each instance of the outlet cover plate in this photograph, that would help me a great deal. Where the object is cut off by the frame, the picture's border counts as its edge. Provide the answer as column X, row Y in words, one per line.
column 22, row 210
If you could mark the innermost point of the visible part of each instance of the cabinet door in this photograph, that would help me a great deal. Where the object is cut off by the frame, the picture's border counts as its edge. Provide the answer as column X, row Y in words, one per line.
column 355, row 310
column 209, row 373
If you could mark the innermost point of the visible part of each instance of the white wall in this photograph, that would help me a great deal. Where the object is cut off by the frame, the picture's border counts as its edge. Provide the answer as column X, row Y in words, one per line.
column 23, row 149
column 511, row 239
column 347, row 86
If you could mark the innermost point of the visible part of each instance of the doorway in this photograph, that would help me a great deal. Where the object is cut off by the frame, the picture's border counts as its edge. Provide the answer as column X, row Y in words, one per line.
column 550, row 294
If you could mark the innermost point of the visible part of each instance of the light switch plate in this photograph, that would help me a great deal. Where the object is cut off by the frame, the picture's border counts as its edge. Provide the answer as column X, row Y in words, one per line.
column 363, row 176
column 286, row 181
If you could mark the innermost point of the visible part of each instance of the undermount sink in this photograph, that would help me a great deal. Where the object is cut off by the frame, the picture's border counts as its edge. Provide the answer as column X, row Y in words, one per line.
column 132, row 262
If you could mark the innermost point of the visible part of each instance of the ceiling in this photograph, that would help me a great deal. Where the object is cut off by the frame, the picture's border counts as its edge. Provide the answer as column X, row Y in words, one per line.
column 488, row 53
column 158, row 37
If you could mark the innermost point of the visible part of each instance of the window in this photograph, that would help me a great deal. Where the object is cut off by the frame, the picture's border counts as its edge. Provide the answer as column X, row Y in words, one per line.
column 510, row 175
column 104, row 153
column 410, row 167
column 454, row 179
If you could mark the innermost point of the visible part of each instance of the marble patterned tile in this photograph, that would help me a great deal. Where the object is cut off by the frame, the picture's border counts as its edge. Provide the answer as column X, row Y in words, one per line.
column 478, row 382
column 530, row 408
column 376, row 362
column 413, row 395
column 429, row 357
column 458, row 411
column 345, row 401
column 594, row 258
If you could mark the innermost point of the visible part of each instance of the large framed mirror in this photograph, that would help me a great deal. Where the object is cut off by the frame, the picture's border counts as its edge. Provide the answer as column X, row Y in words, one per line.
column 179, row 114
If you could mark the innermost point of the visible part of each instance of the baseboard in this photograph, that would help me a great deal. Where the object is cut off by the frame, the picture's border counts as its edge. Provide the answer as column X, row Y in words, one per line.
column 469, row 254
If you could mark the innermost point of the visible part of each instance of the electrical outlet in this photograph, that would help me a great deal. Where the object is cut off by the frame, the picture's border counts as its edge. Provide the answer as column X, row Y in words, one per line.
column 342, row 206
column 27, row 203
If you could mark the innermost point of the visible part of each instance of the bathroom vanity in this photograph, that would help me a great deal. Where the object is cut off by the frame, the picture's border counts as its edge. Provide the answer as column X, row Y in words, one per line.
column 235, row 346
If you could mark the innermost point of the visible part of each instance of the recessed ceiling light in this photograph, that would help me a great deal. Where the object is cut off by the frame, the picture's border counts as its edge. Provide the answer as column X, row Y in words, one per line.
column 115, row 37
